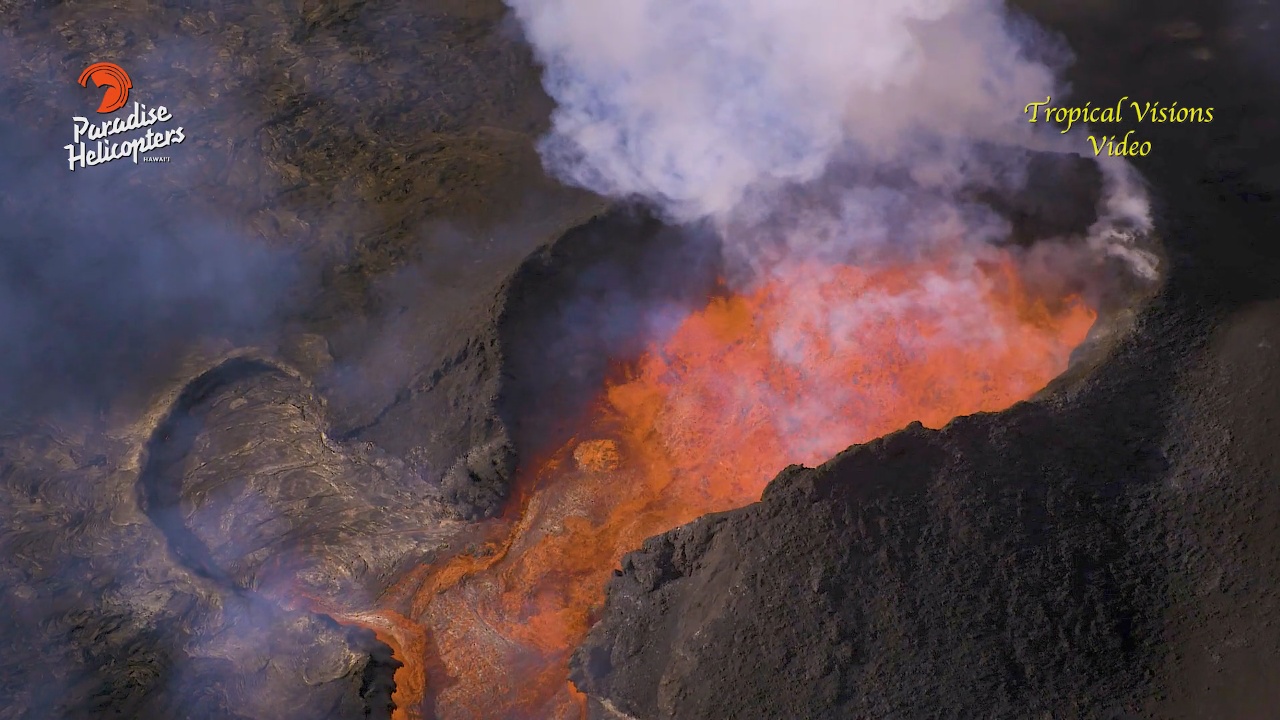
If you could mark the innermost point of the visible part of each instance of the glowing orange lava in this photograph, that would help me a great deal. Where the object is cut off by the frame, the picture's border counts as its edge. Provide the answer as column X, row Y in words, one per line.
column 792, row 372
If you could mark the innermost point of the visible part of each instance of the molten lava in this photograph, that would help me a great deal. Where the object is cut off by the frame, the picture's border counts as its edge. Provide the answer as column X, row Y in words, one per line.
column 791, row 372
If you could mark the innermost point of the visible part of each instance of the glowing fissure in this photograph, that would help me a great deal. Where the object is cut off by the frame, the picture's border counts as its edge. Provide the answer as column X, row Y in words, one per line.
column 793, row 371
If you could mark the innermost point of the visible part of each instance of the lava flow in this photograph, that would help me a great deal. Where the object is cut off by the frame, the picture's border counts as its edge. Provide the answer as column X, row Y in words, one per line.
column 791, row 372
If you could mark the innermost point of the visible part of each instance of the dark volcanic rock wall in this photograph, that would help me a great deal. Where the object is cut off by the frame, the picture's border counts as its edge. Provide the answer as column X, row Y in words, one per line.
column 1108, row 551
column 999, row 568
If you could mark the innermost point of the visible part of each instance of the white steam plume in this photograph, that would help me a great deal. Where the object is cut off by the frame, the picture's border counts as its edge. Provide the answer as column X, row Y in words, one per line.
column 708, row 107
column 692, row 103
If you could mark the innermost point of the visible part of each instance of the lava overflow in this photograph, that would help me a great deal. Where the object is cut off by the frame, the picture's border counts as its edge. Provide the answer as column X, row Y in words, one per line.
column 793, row 371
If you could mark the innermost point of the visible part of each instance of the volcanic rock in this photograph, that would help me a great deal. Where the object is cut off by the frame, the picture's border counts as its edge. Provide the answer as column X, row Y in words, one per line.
column 1108, row 550
column 234, row 383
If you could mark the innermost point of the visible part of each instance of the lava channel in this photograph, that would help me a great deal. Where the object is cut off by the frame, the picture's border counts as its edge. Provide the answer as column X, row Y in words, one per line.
column 793, row 371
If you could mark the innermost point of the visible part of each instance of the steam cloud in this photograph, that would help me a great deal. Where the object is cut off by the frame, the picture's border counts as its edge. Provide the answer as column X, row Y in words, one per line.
column 711, row 109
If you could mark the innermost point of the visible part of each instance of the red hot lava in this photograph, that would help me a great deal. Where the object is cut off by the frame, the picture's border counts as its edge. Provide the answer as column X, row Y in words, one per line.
column 791, row 372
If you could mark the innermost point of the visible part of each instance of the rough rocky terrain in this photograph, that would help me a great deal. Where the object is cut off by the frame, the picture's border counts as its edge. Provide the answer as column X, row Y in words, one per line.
column 1109, row 551
column 299, row 359
column 265, row 371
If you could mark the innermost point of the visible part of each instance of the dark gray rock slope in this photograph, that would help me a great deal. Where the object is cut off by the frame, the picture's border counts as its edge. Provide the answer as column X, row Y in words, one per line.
column 1109, row 550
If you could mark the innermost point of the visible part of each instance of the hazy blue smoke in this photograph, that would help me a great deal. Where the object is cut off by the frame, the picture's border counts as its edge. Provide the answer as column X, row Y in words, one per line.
column 103, row 282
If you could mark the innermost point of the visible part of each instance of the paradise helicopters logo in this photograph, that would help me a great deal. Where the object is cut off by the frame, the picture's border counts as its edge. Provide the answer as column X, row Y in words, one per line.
column 102, row 133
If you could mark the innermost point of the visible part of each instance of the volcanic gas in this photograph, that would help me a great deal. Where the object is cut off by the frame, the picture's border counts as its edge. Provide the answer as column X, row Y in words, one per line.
column 791, row 370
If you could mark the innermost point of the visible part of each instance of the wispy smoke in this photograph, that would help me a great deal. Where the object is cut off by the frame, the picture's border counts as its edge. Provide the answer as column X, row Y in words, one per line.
column 111, row 278
column 712, row 108
column 102, row 284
